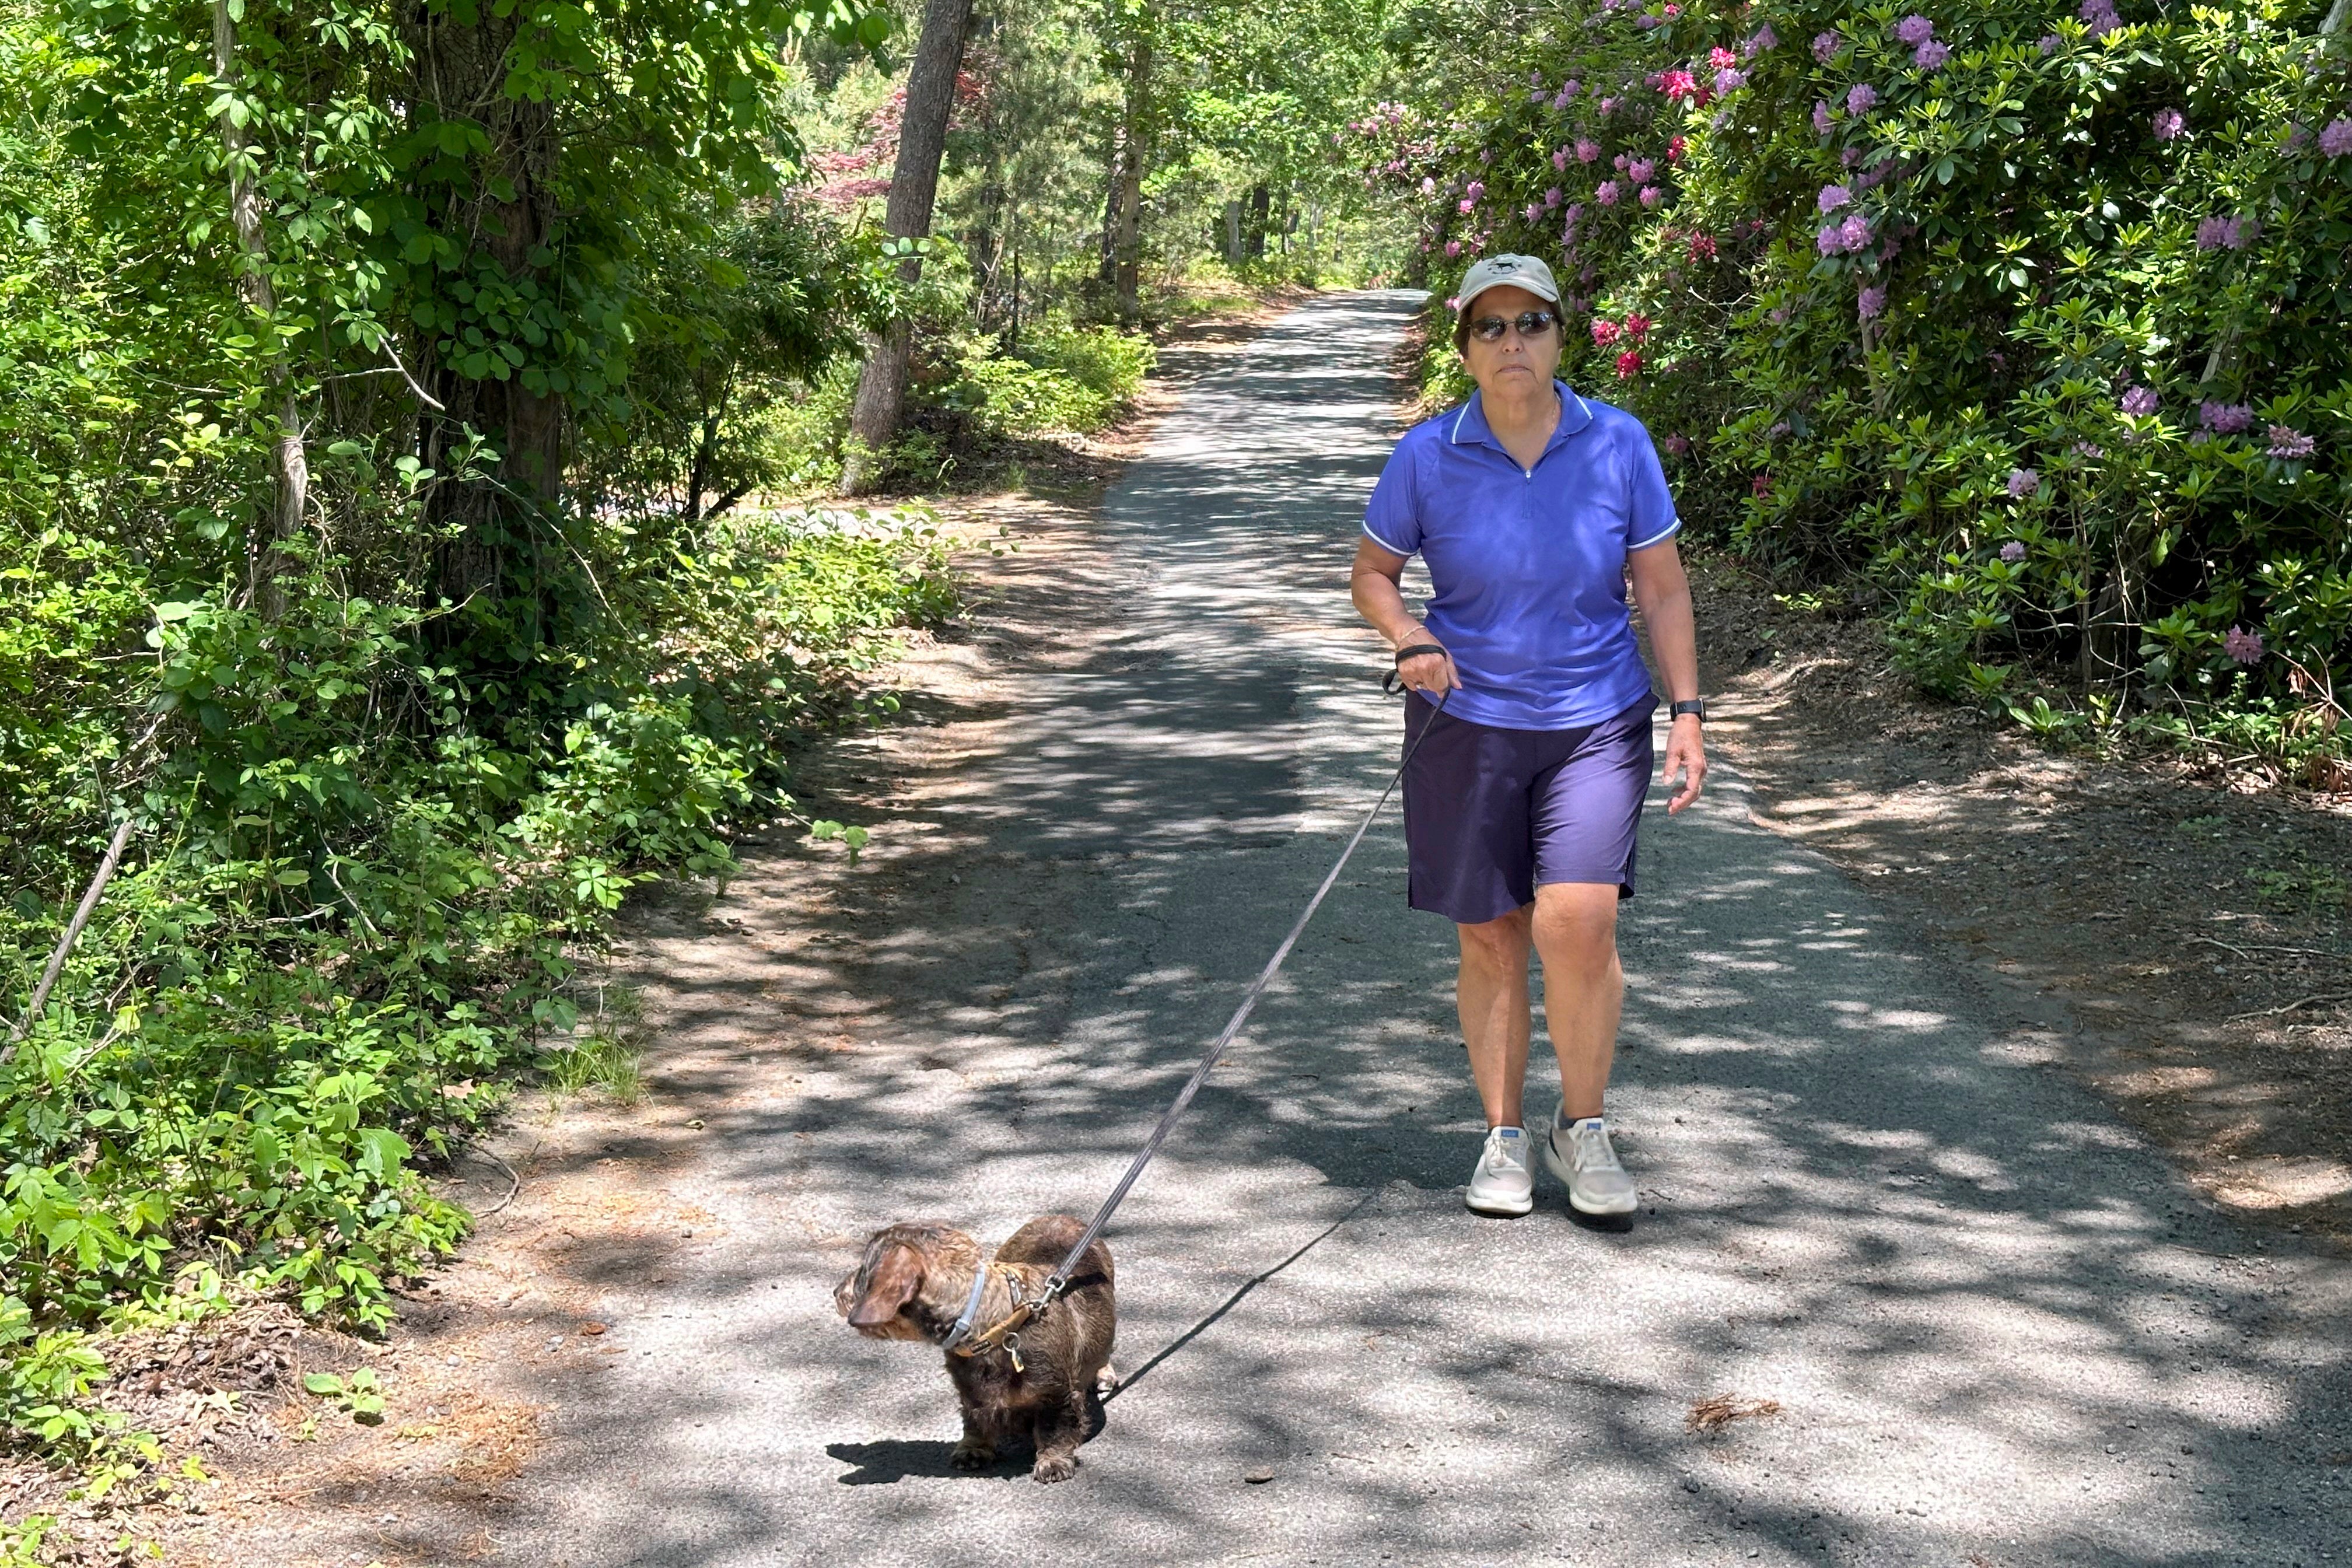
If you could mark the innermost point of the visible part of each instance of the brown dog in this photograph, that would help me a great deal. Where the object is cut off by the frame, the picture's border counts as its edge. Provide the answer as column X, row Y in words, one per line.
column 915, row 1282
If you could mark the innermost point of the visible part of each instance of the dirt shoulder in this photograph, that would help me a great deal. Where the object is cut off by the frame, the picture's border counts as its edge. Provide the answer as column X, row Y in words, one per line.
column 2199, row 934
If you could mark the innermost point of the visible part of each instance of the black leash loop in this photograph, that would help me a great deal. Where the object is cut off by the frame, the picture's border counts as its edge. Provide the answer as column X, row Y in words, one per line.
column 1061, row 1277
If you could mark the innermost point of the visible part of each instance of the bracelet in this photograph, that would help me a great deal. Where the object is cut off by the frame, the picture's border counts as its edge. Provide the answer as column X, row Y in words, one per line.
column 1414, row 650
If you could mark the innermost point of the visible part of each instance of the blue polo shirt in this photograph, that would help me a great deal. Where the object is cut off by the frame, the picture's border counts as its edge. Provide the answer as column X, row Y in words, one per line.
column 1528, row 565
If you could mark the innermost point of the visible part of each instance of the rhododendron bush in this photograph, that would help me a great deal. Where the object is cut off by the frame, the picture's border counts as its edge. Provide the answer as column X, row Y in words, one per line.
column 2028, row 322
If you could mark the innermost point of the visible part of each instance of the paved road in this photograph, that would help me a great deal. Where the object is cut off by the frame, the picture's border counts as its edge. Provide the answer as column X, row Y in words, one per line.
column 1999, row 1327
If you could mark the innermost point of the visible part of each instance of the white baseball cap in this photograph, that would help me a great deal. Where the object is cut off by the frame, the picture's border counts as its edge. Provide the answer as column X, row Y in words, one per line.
column 1523, row 271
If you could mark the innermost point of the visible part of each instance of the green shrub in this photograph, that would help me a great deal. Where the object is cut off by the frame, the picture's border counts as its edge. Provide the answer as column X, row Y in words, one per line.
column 2031, row 327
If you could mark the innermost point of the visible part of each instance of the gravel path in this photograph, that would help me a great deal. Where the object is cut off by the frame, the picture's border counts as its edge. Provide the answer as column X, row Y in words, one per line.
column 1997, row 1327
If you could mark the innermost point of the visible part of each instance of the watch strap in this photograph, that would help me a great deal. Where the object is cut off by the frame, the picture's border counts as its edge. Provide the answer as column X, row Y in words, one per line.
column 1696, row 706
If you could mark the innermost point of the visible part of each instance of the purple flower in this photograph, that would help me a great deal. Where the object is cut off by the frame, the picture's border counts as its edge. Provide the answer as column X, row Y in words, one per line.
column 2013, row 552
column 1915, row 29
column 1559, row 158
column 1652, row 195
column 1477, row 189
column 1821, row 116
column 1428, row 185
column 1453, row 248
column 2336, row 139
column 1763, row 40
column 1639, row 169
column 1607, row 193
column 1729, row 80
column 2090, row 449
column 2099, row 16
column 1931, row 56
column 1870, row 303
column 1833, row 197
column 2243, row 645
column 1856, row 232
column 1534, row 79
column 1570, row 88
column 1551, row 198
column 2049, row 43
column 1679, row 446
column 2287, row 441
column 1608, row 106
column 1619, row 162
column 1531, row 212
column 1861, row 99
column 1825, row 47
column 2225, row 233
column 1831, row 241
column 1587, row 150
column 2168, row 123
column 2225, row 419
column 1645, row 22
column 2139, row 400
column 1465, row 206
column 2022, row 482
column 1575, row 211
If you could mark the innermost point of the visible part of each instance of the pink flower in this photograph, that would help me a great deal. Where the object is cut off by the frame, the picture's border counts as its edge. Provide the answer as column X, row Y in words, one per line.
column 2168, row 124
column 2013, row 552
column 1833, row 197
column 1674, row 149
column 1679, row 446
column 1465, row 206
column 1551, row 198
column 2243, row 645
column 1761, row 485
column 1637, row 326
column 1821, row 116
column 2139, row 400
column 1604, row 332
column 1477, row 189
column 1607, row 193
column 1587, row 150
column 1628, row 362
column 1453, row 302
column 1861, row 99
column 2287, row 441
column 1428, row 185
column 1870, row 303
column 1652, row 195
column 2022, row 482
column 1930, row 56
column 1453, row 248
column 1677, row 84
column 1702, row 247
column 2336, row 139
column 1607, row 106
column 1826, row 47
column 1559, row 159
column 1915, row 29
column 1640, row 169
column 1721, row 58
column 1621, row 161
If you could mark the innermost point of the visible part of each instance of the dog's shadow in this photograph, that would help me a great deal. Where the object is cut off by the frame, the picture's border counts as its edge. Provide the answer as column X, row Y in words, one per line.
column 893, row 1460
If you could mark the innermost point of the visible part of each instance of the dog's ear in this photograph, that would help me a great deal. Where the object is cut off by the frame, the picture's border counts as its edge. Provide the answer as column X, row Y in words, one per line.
column 884, row 1286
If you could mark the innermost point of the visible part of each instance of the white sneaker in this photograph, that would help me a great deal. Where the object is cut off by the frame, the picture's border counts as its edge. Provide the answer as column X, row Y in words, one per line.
column 1581, row 1155
column 1502, row 1183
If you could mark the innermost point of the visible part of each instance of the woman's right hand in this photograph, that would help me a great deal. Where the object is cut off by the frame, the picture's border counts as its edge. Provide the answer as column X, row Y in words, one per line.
column 1430, row 673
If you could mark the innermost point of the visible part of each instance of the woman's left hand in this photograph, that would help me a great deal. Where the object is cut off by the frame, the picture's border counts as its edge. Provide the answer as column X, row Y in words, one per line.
column 1686, row 757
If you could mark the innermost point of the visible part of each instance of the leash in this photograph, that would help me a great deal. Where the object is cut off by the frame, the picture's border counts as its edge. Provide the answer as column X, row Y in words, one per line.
column 1008, row 1328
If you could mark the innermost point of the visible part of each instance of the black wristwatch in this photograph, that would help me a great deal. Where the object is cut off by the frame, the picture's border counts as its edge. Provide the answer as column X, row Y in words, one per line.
column 1695, row 707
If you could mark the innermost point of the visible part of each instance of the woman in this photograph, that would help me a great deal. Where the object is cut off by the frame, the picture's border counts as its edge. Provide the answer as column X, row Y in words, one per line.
column 1530, row 506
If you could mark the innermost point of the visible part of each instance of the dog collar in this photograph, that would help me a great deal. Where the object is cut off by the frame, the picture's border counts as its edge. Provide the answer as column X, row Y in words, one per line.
column 963, row 1330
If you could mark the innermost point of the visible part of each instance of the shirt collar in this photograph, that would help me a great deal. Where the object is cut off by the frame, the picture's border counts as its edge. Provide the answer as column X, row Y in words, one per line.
column 1469, row 427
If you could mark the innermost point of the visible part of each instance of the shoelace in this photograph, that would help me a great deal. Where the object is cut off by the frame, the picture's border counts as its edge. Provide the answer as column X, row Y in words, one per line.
column 1507, row 1153
column 1591, row 1150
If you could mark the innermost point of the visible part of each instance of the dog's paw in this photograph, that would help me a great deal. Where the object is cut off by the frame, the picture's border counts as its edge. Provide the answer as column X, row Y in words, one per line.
column 1052, row 1467
column 972, row 1457
column 1106, row 1382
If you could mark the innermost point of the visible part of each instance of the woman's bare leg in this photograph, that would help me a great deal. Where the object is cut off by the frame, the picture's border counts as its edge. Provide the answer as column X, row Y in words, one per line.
column 1575, row 934
column 1492, row 993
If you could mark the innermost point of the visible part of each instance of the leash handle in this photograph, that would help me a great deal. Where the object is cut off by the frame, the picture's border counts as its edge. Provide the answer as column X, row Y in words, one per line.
column 1060, row 1279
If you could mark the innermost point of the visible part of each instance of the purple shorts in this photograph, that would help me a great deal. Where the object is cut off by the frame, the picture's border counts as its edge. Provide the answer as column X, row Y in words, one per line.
column 1491, row 813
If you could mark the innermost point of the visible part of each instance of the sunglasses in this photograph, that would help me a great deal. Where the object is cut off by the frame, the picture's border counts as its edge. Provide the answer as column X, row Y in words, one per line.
column 1531, row 323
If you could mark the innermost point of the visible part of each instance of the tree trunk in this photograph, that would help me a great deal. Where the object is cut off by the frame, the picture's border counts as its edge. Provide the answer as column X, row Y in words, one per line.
column 1137, row 109
column 267, row 561
column 1234, row 233
column 1261, row 201
column 1114, row 183
column 913, row 187
column 495, row 519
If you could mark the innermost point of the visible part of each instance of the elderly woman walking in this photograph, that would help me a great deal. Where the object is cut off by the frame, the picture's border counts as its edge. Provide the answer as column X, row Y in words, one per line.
column 1530, row 506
